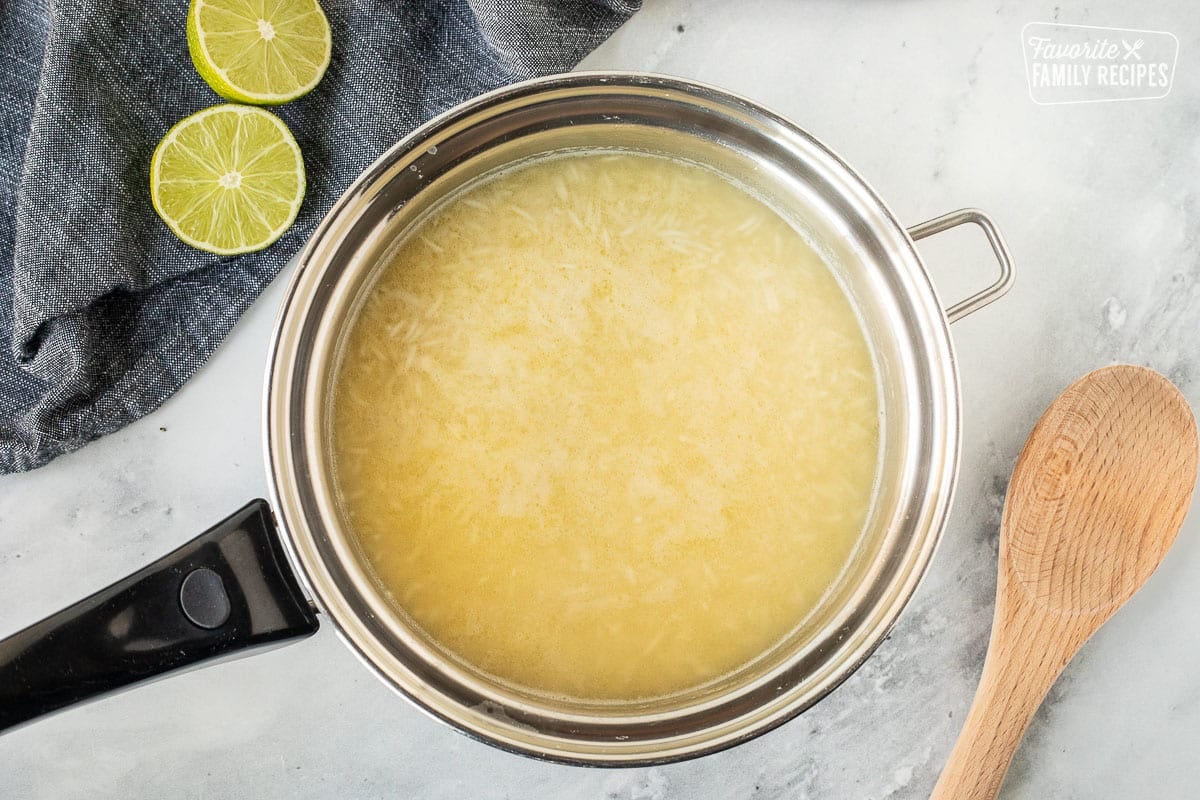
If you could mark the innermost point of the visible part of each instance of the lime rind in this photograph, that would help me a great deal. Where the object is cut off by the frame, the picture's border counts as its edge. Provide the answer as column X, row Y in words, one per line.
column 215, row 194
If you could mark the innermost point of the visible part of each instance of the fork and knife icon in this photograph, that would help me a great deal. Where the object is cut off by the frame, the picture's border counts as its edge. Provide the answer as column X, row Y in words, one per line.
column 1132, row 49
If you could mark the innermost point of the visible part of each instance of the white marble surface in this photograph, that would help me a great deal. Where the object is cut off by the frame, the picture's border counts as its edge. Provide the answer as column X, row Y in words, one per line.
column 927, row 98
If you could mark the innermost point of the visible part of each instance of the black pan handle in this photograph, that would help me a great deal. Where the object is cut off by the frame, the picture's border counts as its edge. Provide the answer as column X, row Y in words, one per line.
column 229, row 589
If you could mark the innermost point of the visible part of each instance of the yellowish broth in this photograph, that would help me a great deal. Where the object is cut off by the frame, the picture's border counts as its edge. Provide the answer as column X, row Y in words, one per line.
column 606, row 427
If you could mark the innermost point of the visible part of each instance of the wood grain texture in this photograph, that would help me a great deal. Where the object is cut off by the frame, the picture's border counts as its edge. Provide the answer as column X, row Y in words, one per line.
column 1097, row 497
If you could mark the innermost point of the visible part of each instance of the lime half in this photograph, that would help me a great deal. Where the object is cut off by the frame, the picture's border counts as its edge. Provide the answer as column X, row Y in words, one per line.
column 264, row 52
column 228, row 179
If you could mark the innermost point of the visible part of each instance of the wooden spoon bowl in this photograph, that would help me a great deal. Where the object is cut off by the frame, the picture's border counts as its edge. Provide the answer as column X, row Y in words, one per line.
column 1097, row 497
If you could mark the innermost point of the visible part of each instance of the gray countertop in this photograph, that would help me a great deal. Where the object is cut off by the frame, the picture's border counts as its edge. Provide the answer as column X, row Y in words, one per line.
column 928, row 100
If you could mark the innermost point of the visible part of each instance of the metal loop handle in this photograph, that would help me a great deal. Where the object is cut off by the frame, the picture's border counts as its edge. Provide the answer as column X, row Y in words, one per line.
column 1002, row 284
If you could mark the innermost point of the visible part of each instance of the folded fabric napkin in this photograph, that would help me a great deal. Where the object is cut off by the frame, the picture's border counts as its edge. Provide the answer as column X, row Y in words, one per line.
column 103, row 312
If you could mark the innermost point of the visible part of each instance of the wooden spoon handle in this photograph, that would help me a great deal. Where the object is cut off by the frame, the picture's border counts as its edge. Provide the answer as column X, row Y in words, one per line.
column 1024, row 659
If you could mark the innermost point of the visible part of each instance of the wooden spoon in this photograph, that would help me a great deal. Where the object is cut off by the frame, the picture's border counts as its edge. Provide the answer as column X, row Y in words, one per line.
column 1096, row 499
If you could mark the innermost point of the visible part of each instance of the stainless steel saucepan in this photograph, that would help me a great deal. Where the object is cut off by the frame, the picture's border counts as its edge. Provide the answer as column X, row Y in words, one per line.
column 261, row 577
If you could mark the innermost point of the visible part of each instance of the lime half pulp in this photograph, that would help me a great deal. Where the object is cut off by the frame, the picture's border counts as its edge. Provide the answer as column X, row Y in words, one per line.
column 263, row 52
column 228, row 179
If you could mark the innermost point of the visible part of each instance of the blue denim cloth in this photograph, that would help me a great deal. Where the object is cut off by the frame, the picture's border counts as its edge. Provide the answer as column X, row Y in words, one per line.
column 103, row 312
